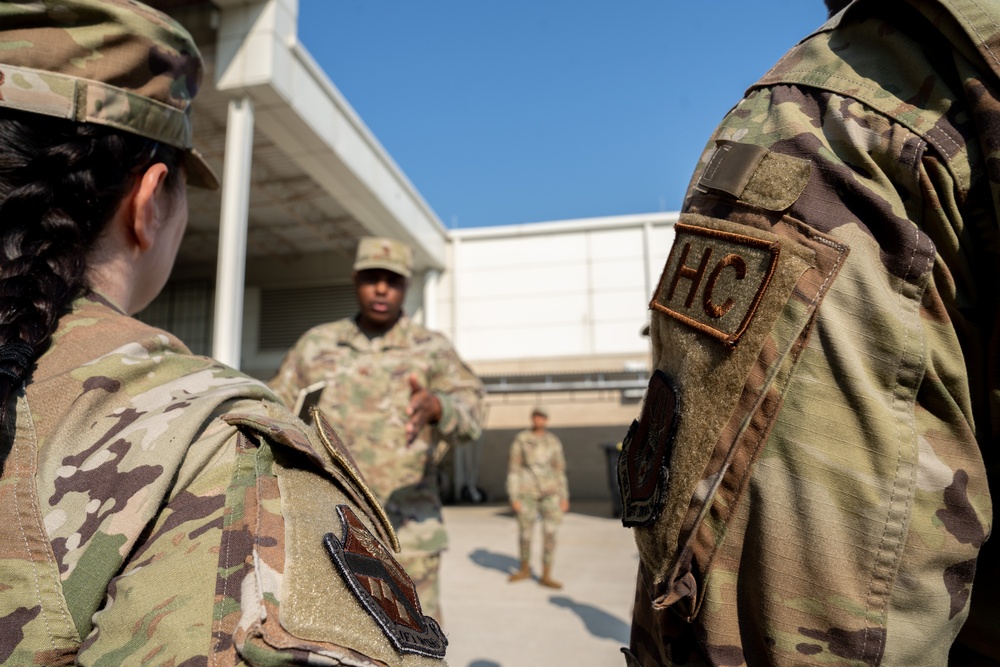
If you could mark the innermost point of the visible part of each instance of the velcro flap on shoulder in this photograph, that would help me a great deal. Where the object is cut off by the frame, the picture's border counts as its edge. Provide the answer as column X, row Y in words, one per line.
column 322, row 446
column 755, row 175
column 360, row 608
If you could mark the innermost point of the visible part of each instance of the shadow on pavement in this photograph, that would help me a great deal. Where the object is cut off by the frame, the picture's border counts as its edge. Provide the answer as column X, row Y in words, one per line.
column 494, row 561
column 601, row 509
column 484, row 663
column 599, row 623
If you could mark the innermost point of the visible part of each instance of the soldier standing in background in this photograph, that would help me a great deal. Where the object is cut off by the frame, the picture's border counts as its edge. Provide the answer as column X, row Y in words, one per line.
column 809, row 478
column 536, row 484
column 155, row 506
column 398, row 394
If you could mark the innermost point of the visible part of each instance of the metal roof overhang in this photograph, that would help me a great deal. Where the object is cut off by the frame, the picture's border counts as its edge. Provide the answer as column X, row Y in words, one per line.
column 319, row 178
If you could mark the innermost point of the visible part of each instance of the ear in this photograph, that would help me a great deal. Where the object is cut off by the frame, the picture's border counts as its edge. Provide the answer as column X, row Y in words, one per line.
column 147, row 216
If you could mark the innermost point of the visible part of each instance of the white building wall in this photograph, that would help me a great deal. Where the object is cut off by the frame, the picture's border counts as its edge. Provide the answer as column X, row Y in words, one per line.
column 559, row 289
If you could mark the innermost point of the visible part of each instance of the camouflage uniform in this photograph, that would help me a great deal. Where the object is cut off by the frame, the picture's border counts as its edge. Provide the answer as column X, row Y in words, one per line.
column 158, row 506
column 366, row 396
column 536, row 478
column 115, row 63
column 807, row 479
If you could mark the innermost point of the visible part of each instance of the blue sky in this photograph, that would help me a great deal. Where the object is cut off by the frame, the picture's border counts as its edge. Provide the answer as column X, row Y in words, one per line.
column 530, row 110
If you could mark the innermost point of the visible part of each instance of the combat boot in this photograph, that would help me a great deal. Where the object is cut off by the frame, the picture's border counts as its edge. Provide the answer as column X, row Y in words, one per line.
column 547, row 579
column 522, row 574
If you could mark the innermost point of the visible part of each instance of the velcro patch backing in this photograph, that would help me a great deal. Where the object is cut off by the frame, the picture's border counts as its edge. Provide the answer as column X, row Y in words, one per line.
column 731, row 167
column 714, row 280
column 755, row 175
column 383, row 588
column 643, row 464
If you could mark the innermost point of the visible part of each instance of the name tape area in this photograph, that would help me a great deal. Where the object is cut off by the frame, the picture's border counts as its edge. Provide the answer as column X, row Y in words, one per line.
column 714, row 280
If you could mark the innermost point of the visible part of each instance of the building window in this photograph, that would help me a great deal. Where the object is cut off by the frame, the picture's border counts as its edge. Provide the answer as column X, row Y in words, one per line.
column 286, row 314
column 185, row 310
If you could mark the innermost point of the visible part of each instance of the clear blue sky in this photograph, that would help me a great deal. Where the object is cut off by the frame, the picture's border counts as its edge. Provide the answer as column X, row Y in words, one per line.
column 530, row 110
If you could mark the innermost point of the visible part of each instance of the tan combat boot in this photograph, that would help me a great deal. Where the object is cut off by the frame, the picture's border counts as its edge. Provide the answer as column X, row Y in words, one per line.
column 547, row 579
column 522, row 574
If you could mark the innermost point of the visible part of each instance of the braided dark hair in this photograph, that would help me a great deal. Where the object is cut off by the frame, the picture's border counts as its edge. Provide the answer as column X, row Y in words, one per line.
column 60, row 184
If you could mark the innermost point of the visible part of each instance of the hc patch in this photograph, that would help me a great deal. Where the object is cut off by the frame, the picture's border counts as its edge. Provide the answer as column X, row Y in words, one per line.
column 714, row 280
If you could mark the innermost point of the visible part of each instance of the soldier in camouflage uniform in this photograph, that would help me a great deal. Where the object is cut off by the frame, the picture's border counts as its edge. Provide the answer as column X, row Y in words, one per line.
column 398, row 394
column 155, row 507
column 808, row 480
column 536, row 484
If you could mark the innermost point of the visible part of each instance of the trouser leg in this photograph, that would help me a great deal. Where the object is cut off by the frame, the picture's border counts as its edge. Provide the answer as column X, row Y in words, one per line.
column 551, row 518
column 526, row 525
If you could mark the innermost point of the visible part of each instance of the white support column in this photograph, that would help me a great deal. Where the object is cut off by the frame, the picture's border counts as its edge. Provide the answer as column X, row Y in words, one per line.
column 229, row 281
column 431, row 277
column 456, row 245
column 647, row 258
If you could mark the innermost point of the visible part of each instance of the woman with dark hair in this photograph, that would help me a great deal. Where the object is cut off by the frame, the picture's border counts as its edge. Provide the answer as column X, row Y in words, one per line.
column 154, row 505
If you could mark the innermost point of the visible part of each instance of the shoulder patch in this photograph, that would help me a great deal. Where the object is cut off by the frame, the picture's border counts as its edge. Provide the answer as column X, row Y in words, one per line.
column 643, row 464
column 383, row 588
column 714, row 280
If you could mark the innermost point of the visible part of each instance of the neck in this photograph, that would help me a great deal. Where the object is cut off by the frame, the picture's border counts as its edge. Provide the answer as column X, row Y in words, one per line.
column 112, row 279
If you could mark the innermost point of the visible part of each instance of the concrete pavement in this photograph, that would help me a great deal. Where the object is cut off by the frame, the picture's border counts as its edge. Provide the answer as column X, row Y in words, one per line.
column 492, row 623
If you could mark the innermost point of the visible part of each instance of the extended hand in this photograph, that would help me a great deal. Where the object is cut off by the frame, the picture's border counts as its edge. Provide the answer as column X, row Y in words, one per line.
column 424, row 409
column 564, row 505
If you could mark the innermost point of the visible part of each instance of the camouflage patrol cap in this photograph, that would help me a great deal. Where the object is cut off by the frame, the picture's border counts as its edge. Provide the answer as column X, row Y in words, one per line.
column 116, row 63
column 390, row 254
column 540, row 410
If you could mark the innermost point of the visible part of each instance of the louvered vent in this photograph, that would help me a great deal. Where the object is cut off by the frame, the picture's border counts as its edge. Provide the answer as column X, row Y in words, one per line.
column 286, row 314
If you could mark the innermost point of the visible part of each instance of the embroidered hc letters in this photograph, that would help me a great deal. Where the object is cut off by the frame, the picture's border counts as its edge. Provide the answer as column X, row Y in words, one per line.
column 714, row 280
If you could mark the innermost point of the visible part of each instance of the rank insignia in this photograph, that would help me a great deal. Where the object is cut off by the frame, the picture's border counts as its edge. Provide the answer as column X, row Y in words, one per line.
column 643, row 464
column 383, row 588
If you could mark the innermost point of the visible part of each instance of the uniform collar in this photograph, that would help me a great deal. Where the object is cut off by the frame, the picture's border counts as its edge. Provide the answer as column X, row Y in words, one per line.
column 396, row 337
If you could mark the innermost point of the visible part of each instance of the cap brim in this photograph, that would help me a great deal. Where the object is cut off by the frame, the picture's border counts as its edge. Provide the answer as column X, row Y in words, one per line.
column 375, row 264
column 199, row 174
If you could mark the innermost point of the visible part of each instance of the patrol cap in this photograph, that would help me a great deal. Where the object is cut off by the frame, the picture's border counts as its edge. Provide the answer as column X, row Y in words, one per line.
column 389, row 254
column 116, row 63
column 540, row 410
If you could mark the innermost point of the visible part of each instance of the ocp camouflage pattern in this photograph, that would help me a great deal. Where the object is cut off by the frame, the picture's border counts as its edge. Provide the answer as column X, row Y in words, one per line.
column 366, row 397
column 536, row 478
column 151, row 512
column 77, row 59
column 828, row 479
column 536, row 466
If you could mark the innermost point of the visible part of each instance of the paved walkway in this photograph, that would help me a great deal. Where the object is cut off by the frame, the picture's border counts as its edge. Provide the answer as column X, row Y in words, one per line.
column 491, row 623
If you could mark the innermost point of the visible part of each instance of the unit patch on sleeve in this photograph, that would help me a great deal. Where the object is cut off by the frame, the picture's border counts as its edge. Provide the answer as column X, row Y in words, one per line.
column 714, row 280
column 383, row 588
column 643, row 463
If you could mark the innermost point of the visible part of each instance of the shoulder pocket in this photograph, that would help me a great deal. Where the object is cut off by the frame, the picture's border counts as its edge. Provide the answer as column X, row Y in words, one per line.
column 302, row 567
column 324, row 448
column 732, row 313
